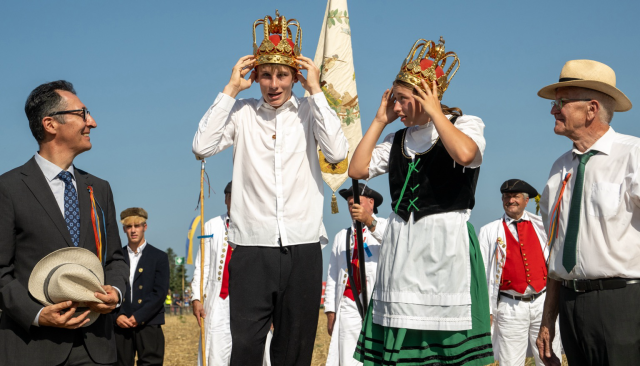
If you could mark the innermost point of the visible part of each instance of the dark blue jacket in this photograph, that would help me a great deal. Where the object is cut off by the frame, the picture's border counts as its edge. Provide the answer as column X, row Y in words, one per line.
column 150, row 286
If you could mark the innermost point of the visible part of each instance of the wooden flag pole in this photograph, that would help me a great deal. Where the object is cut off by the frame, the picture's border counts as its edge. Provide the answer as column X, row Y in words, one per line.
column 361, row 259
column 202, row 340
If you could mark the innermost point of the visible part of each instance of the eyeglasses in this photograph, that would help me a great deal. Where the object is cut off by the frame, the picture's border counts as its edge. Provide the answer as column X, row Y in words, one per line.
column 559, row 102
column 85, row 113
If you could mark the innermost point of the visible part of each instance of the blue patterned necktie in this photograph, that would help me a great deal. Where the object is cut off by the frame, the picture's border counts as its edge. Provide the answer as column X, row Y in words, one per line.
column 71, row 206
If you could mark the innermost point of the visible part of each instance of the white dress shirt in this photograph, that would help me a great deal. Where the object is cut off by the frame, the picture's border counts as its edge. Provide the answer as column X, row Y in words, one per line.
column 610, row 216
column 406, row 295
column 134, row 258
column 276, row 167
column 51, row 171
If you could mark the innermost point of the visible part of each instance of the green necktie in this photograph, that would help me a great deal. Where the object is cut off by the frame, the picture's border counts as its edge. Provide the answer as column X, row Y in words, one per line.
column 573, row 226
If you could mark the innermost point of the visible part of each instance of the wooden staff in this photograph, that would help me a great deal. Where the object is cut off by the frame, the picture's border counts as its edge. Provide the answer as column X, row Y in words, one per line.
column 361, row 260
column 202, row 340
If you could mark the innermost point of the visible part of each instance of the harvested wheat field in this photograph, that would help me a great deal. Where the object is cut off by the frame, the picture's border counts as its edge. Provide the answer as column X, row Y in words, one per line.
column 182, row 332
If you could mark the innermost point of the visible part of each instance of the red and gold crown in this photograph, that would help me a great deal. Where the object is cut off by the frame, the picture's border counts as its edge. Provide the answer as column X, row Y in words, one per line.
column 278, row 46
column 429, row 65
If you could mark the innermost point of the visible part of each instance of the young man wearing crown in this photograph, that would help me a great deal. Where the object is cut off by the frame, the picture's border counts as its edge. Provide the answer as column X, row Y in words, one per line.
column 514, row 251
column 212, row 312
column 430, row 303
column 591, row 204
column 275, row 274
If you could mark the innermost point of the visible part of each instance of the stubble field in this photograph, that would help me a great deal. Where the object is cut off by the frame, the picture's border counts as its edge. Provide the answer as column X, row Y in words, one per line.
column 182, row 334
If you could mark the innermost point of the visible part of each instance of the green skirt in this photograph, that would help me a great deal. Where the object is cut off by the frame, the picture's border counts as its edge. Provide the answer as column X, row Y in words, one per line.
column 379, row 345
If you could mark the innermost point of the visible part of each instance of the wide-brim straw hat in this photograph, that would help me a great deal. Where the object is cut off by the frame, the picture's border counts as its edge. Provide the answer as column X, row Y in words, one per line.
column 588, row 74
column 68, row 274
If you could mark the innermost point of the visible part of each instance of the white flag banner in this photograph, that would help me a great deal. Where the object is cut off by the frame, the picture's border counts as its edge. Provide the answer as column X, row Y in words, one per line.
column 334, row 57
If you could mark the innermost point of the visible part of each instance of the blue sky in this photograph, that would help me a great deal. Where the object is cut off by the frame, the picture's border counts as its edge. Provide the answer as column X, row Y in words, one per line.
column 148, row 70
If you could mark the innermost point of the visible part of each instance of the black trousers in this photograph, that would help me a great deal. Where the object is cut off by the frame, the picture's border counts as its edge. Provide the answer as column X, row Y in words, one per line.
column 279, row 285
column 146, row 340
column 601, row 328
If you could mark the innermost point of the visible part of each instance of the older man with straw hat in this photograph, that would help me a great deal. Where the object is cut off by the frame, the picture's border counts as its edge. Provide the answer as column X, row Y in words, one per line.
column 591, row 206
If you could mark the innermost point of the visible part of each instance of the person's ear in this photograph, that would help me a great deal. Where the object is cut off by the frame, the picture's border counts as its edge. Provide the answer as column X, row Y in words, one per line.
column 48, row 124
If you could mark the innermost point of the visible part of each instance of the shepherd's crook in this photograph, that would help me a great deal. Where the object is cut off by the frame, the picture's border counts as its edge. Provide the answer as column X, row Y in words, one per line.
column 202, row 343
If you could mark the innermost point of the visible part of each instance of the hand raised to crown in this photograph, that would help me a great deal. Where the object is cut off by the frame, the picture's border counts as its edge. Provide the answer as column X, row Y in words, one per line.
column 312, row 82
column 386, row 114
column 429, row 99
column 237, row 82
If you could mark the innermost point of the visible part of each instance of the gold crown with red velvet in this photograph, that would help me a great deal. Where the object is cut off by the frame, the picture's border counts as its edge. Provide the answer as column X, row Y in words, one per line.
column 429, row 65
column 278, row 46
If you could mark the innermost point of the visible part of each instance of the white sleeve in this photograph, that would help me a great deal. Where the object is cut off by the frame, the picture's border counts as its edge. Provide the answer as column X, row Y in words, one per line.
column 217, row 127
column 379, row 163
column 487, row 258
column 332, row 275
column 380, row 229
column 473, row 127
column 328, row 129
column 208, row 247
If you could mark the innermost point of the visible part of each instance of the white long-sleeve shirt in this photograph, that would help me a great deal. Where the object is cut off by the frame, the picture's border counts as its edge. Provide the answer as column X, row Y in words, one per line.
column 278, row 189
column 610, row 210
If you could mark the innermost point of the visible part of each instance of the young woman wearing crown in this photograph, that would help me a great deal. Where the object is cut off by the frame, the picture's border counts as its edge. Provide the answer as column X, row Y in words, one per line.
column 430, row 303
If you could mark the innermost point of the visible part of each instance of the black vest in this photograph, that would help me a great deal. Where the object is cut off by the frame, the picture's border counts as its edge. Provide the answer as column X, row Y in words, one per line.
column 434, row 186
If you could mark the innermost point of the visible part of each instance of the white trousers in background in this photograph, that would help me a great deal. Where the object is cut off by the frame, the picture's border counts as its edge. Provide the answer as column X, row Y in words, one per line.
column 217, row 334
column 350, row 326
column 518, row 324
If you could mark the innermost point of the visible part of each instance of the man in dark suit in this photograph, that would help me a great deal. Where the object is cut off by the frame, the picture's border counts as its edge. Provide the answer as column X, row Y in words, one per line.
column 142, row 313
column 45, row 205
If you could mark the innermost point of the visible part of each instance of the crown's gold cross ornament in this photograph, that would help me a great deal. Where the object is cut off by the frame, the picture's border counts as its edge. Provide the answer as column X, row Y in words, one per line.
column 278, row 46
column 429, row 65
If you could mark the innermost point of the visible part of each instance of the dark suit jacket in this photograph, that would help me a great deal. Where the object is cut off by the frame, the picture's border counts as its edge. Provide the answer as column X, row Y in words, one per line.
column 32, row 226
column 150, row 286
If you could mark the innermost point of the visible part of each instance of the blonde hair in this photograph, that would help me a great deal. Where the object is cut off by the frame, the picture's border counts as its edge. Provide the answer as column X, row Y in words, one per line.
column 454, row 111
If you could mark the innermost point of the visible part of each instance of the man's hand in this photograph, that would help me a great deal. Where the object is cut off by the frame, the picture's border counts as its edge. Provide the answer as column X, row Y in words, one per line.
column 544, row 342
column 491, row 320
column 331, row 320
column 237, row 82
column 110, row 301
column 123, row 322
column 61, row 316
column 133, row 321
column 358, row 213
column 198, row 311
column 386, row 114
column 312, row 82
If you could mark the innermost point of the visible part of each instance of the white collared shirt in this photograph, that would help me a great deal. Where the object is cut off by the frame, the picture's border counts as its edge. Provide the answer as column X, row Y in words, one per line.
column 134, row 259
column 512, row 224
column 609, row 231
column 51, row 171
column 278, row 189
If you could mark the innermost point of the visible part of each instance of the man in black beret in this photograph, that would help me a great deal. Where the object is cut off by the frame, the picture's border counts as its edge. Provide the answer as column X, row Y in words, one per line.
column 139, row 319
column 343, row 319
column 514, row 250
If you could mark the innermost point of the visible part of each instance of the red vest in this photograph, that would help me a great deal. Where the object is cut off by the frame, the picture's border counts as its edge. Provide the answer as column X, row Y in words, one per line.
column 348, row 291
column 224, row 290
column 525, row 264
